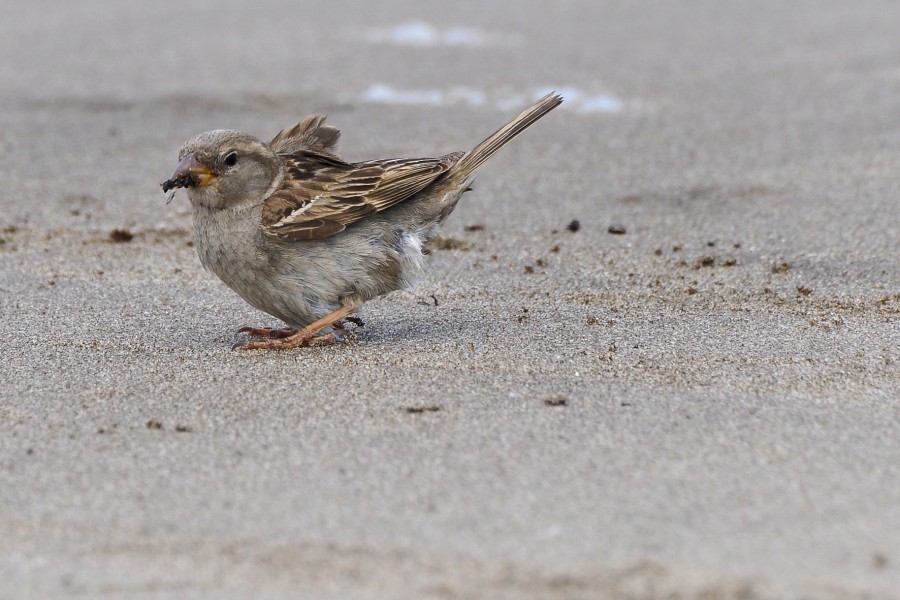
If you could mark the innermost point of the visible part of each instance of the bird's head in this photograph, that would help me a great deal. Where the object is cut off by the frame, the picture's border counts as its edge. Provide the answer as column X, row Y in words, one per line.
column 224, row 168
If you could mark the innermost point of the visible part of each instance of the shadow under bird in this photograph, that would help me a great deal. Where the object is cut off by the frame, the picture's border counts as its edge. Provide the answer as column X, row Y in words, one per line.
column 308, row 238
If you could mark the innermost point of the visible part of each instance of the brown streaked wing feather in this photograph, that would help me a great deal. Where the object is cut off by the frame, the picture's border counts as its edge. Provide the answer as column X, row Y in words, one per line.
column 321, row 194
column 404, row 177
column 309, row 134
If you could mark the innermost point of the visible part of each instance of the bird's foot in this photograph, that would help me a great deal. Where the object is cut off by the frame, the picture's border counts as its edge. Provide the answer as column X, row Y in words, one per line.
column 342, row 324
column 286, row 343
column 265, row 332
column 308, row 336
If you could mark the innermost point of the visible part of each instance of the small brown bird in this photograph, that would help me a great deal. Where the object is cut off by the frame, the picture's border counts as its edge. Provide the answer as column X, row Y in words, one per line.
column 308, row 238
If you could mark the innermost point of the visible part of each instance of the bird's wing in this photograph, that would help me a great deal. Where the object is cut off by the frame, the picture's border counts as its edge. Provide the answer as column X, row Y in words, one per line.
column 309, row 134
column 321, row 194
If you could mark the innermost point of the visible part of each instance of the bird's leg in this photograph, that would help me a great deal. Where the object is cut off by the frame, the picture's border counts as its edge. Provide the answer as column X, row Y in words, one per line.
column 265, row 332
column 308, row 336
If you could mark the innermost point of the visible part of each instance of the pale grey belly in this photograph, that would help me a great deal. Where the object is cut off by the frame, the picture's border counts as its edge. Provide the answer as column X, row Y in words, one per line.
column 300, row 282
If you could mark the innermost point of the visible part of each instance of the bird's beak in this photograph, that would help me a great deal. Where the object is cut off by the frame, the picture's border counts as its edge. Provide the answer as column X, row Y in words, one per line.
column 190, row 172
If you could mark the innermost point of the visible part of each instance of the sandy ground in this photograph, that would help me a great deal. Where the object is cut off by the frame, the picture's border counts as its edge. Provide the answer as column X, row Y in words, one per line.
column 704, row 406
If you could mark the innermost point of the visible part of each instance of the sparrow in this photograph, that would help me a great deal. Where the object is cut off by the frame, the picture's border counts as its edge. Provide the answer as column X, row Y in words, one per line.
column 308, row 238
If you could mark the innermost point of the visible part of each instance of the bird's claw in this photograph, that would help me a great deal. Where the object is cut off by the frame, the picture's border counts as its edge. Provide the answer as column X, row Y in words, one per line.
column 264, row 332
column 286, row 343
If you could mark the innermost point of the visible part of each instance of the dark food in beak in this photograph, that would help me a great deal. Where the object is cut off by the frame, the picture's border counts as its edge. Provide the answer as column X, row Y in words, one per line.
column 179, row 181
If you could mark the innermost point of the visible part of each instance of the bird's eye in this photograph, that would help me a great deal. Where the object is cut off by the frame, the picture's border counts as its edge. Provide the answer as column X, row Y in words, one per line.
column 231, row 159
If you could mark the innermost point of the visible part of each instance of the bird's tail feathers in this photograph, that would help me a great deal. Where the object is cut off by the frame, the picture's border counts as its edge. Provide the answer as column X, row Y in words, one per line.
column 483, row 151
